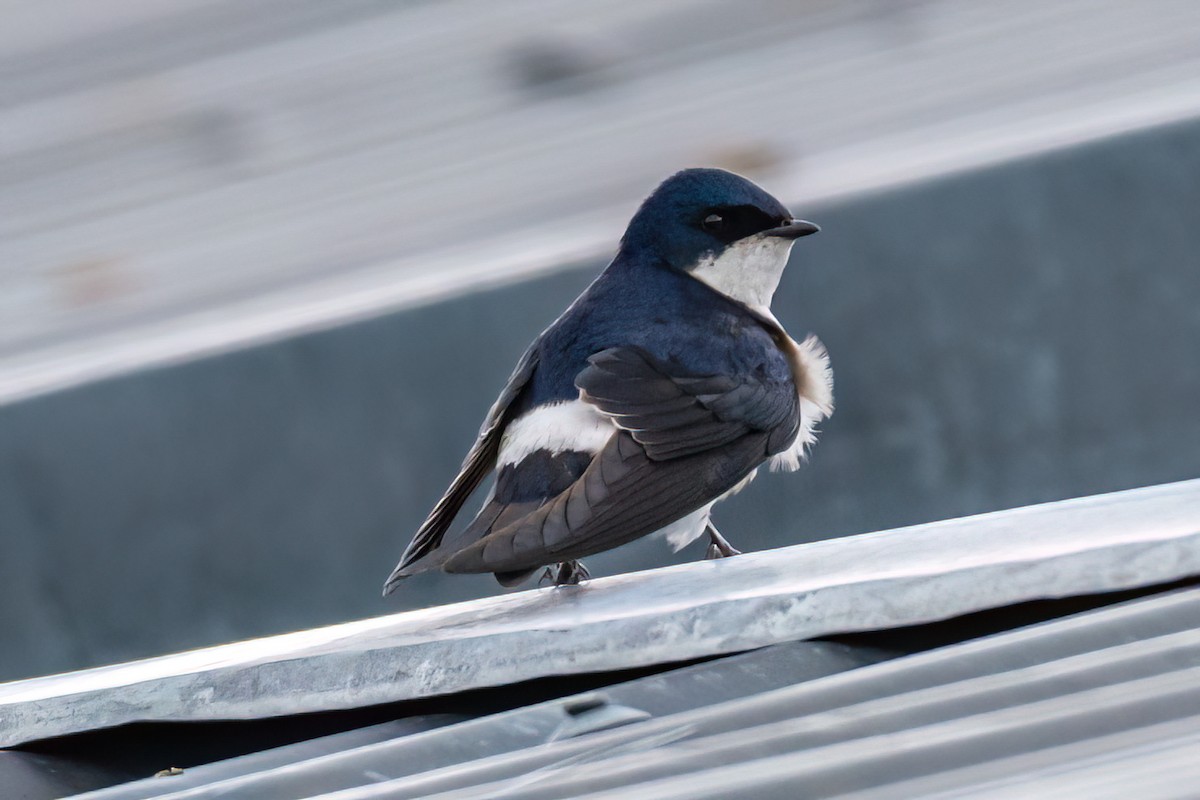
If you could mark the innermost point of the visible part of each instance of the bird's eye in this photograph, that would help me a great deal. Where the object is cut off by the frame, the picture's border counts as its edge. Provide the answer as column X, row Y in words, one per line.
column 713, row 222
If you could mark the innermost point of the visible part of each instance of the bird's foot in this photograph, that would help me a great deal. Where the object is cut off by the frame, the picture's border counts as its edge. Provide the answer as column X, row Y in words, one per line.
column 565, row 573
column 718, row 546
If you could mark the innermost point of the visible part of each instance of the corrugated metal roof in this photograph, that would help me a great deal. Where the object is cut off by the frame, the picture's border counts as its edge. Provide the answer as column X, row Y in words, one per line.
column 1115, row 683
column 880, row 580
column 859, row 714
column 336, row 765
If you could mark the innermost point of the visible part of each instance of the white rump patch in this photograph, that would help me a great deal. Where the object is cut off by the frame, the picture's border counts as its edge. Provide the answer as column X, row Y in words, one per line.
column 571, row 425
column 747, row 270
column 814, row 385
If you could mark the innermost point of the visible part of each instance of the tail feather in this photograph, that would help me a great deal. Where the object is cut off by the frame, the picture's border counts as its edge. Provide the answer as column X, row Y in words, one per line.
column 493, row 516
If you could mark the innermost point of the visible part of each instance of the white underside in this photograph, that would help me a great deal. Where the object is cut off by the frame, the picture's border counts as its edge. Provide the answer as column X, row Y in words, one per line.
column 682, row 532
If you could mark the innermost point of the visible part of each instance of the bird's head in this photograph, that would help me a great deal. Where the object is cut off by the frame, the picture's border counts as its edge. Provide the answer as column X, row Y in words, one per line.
column 720, row 228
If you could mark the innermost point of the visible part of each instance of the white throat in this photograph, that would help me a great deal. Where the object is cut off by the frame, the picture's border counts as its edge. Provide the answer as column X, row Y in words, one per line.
column 748, row 270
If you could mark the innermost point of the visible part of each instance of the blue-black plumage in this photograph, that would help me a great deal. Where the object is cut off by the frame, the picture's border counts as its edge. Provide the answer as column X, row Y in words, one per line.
column 658, row 392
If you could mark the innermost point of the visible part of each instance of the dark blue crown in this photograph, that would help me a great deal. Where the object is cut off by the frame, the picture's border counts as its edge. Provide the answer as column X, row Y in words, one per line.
column 670, row 224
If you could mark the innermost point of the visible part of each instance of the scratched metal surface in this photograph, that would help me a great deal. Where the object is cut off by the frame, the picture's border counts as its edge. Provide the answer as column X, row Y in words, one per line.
column 870, row 582
column 1091, row 705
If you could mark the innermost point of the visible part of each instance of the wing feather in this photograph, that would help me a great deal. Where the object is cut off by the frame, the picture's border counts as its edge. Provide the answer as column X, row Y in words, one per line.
column 640, row 496
column 683, row 441
column 672, row 413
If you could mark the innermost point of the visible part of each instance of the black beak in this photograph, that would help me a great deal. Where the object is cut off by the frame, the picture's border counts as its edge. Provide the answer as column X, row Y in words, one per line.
column 793, row 230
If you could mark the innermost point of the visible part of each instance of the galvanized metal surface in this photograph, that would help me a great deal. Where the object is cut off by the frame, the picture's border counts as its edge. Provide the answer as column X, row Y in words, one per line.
column 876, row 581
column 329, row 764
column 1091, row 680
column 280, row 170
column 1156, row 761
column 1019, row 711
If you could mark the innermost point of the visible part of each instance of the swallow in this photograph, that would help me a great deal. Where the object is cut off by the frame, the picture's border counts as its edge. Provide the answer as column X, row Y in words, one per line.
column 660, row 391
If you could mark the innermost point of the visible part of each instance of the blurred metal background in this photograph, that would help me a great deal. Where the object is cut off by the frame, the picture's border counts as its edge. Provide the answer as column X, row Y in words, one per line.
column 184, row 177
column 263, row 267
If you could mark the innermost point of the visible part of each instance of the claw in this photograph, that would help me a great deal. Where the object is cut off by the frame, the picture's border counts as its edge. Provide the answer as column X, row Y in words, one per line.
column 719, row 547
column 570, row 573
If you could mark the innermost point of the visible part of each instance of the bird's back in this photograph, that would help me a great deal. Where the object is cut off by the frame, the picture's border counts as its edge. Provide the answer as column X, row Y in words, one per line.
column 666, row 313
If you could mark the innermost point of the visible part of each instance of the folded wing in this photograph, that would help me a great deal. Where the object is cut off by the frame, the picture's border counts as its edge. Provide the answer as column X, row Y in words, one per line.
column 683, row 440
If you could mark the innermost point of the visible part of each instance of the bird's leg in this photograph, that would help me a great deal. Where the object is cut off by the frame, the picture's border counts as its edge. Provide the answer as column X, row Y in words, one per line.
column 718, row 547
column 570, row 573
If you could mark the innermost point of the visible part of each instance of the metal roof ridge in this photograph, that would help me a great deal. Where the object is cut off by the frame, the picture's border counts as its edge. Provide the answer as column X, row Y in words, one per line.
column 874, row 581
